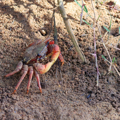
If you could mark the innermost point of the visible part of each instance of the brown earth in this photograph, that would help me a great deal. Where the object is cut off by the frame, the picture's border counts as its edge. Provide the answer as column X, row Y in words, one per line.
column 73, row 94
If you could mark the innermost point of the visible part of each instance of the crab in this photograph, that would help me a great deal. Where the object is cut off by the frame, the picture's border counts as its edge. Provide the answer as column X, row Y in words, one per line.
column 31, row 64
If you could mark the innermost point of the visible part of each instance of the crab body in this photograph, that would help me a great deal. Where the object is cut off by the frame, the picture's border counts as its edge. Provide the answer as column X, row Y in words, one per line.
column 35, row 50
column 31, row 63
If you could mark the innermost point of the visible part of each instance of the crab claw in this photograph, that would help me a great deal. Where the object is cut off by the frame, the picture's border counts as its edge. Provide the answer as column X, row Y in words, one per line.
column 42, row 68
column 55, row 54
column 17, row 69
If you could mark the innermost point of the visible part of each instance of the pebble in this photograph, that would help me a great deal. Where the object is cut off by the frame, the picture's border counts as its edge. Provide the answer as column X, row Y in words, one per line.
column 118, row 109
column 111, row 80
column 2, row 84
column 43, row 32
column 90, row 88
column 1, row 56
column 15, row 97
column 113, row 104
column 93, row 95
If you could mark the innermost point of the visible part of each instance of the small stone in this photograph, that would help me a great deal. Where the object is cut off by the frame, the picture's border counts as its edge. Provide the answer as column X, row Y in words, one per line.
column 113, row 104
column 86, row 53
column 74, row 56
column 111, row 80
column 70, row 53
column 90, row 88
column 87, row 61
column 118, row 45
column 92, row 95
column 2, row 84
column 118, row 109
column 104, row 72
column 43, row 32
column 15, row 97
column 77, row 78
column 1, row 56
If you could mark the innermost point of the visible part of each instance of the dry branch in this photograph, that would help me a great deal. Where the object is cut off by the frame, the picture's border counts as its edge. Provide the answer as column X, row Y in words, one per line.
column 69, row 29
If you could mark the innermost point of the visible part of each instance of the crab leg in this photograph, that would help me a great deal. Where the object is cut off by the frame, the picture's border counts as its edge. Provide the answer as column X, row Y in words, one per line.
column 38, row 80
column 30, row 78
column 61, row 59
column 17, row 69
column 44, row 68
column 25, row 70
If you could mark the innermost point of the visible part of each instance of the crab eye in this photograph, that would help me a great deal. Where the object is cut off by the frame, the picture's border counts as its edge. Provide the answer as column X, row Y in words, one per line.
column 38, row 54
column 25, row 60
column 47, row 43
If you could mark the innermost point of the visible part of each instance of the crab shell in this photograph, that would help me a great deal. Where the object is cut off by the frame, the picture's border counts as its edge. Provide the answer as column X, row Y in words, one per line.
column 32, row 52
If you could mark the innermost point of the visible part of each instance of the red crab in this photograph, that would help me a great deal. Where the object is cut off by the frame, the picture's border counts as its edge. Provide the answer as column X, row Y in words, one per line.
column 31, row 63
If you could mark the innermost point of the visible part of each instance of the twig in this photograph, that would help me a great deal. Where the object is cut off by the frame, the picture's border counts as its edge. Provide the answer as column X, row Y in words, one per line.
column 114, row 47
column 105, row 47
column 81, row 15
column 116, row 70
column 95, row 54
column 113, row 66
column 69, row 29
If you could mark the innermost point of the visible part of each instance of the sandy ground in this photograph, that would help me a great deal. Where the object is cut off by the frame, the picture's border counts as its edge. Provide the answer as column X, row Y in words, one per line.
column 71, row 94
